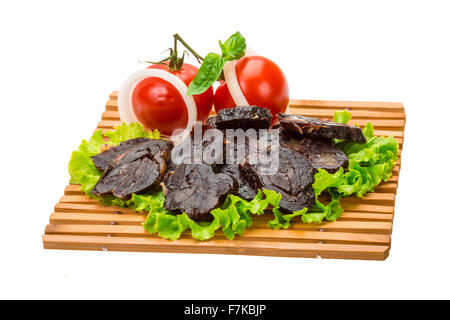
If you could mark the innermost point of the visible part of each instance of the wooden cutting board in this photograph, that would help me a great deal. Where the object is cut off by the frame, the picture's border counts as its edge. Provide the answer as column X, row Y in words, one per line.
column 362, row 232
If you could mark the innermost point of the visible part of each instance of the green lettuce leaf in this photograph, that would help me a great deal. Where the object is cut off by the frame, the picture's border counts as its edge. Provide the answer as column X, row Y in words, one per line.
column 143, row 202
column 81, row 168
column 342, row 116
column 369, row 164
column 125, row 132
column 368, row 130
column 323, row 180
column 260, row 202
column 232, row 217
column 331, row 211
column 283, row 220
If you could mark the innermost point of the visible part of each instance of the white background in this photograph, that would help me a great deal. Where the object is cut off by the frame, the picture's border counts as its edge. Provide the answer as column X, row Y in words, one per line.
column 59, row 61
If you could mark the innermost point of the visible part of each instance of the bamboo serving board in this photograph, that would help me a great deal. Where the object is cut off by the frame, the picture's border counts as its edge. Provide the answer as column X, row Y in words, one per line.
column 362, row 232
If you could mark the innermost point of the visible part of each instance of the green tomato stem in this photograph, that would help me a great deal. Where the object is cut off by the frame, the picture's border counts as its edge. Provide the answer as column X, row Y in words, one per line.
column 196, row 55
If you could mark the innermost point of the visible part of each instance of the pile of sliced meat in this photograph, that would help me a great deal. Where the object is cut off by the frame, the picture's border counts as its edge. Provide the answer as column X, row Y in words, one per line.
column 305, row 145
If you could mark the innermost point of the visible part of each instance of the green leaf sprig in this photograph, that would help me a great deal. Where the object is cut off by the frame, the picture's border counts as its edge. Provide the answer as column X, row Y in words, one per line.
column 211, row 69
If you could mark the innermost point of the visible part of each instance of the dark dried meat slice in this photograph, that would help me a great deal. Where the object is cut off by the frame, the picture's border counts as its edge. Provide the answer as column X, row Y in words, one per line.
column 244, row 189
column 145, row 175
column 103, row 159
column 206, row 148
column 304, row 199
column 154, row 148
column 293, row 179
column 316, row 128
column 126, row 178
column 236, row 152
column 322, row 153
column 211, row 122
column 243, row 117
column 137, row 170
column 197, row 189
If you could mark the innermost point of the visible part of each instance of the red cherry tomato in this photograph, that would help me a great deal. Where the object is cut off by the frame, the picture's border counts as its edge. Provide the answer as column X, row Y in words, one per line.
column 222, row 98
column 157, row 104
column 262, row 82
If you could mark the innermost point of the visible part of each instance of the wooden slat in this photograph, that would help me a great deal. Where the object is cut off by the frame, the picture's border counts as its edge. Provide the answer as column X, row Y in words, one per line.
column 362, row 232
column 113, row 95
column 370, row 198
column 386, row 188
column 358, row 216
column 386, row 133
column 349, row 105
column 80, row 199
column 387, row 125
column 112, row 105
column 96, row 218
column 393, row 179
column 358, row 207
column 352, row 209
column 251, row 234
column 316, row 113
column 378, row 227
column 91, row 206
column 356, row 114
column 259, row 248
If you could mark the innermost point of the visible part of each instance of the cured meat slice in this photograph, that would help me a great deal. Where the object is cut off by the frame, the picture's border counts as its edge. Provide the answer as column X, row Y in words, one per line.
column 102, row 160
column 237, row 151
column 304, row 199
column 137, row 170
column 211, row 122
column 293, row 179
column 322, row 153
column 154, row 148
column 244, row 189
column 243, row 118
column 139, row 176
column 204, row 146
column 197, row 189
column 316, row 128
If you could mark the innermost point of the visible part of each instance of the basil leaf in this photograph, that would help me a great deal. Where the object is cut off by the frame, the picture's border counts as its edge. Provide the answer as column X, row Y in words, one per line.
column 212, row 65
column 207, row 74
column 234, row 47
